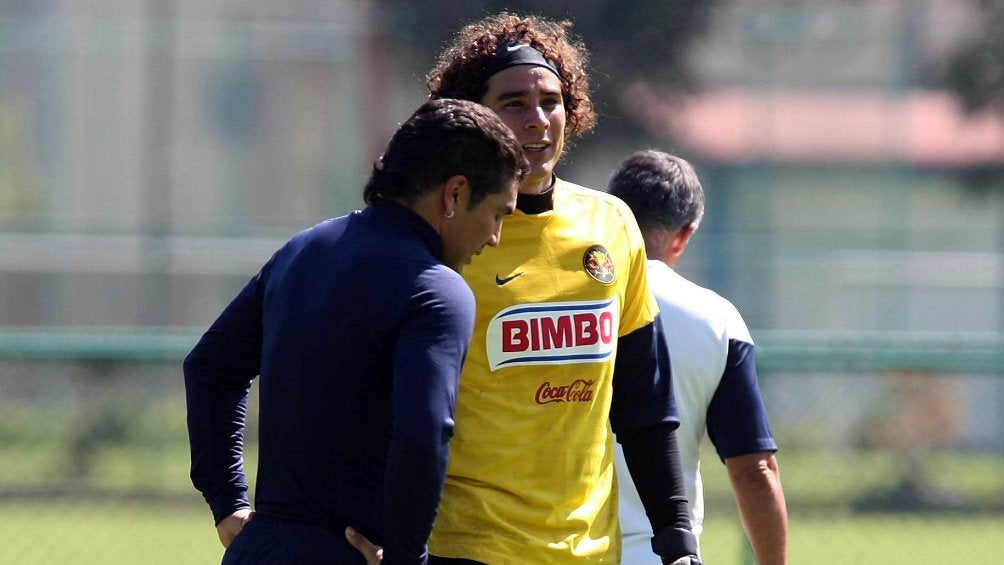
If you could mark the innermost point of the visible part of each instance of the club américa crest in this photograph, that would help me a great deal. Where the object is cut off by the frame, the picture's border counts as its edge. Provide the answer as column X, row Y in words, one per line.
column 598, row 263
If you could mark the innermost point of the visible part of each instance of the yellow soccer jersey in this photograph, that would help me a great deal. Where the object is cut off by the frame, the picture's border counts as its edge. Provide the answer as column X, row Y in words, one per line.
column 531, row 471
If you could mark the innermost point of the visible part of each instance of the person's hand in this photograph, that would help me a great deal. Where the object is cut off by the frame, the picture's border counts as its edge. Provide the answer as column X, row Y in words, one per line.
column 685, row 560
column 372, row 552
column 229, row 527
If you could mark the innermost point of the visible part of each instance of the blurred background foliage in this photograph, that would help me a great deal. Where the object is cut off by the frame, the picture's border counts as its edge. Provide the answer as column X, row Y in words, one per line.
column 154, row 154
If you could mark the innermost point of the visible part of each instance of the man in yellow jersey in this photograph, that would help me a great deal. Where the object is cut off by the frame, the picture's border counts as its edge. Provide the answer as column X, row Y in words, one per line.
column 567, row 349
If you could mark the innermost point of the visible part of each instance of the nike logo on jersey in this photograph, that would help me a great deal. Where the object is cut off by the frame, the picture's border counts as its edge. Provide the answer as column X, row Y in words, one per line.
column 501, row 282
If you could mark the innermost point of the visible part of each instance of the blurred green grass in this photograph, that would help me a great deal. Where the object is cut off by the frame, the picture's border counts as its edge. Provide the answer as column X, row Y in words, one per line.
column 94, row 532
column 84, row 487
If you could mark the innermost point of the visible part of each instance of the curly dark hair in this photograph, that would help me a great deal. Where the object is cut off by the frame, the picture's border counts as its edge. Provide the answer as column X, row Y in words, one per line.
column 460, row 70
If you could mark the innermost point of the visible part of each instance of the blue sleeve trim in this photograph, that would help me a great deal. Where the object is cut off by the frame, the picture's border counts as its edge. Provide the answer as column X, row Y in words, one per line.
column 737, row 418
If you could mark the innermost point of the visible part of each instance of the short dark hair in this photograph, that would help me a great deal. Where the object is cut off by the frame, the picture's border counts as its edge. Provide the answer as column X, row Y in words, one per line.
column 460, row 70
column 662, row 190
column 441, row 139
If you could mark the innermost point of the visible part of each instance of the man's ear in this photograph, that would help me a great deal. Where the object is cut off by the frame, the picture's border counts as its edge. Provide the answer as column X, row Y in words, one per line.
column 454, row 192
column 682, row 238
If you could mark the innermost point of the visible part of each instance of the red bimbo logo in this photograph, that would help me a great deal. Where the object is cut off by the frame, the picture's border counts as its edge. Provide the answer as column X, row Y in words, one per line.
column 554, row 332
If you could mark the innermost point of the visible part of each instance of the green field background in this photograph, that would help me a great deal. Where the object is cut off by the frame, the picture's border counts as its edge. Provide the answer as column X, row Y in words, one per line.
column 107, row 533
column 94, row 470
column 138, row 507
column 154, row 154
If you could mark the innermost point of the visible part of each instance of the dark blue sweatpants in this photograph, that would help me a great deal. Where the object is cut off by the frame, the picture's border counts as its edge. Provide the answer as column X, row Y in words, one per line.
column 266, row 540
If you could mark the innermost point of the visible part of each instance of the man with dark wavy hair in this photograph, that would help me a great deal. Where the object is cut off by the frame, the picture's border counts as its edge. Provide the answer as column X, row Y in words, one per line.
column 358, row 328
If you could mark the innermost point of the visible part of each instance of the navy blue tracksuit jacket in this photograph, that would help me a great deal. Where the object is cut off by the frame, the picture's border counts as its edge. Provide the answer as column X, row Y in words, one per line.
column 358, row 333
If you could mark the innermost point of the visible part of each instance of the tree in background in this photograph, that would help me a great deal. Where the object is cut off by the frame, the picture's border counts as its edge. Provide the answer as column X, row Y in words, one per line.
column 629, row 41
column 976, row 73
